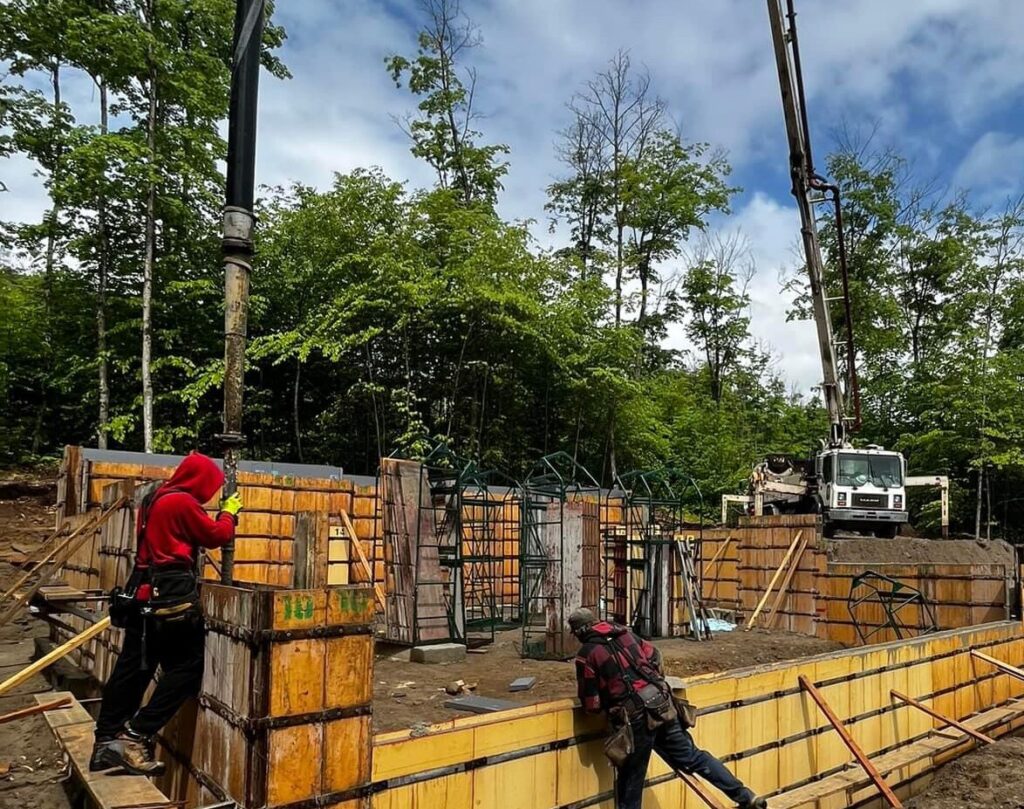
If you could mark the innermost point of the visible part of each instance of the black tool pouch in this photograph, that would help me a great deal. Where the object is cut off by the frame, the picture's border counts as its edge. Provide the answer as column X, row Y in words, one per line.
column 175, row 593
column 658, row 705
column 123, row 606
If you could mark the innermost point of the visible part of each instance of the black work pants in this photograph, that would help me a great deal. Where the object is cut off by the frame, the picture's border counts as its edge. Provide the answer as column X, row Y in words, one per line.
column 177, row 647
column 676, row 747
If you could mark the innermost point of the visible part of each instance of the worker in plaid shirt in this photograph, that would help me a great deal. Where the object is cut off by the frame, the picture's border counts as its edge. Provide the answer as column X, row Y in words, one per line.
column 612, row 665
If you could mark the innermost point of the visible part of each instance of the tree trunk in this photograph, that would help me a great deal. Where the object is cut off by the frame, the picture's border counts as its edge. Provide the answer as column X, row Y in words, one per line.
column 51, row 251
column 295, row 408
column 988, row 505
column 618, row 269
column 977, row 512
column 101, row 294
column 150, row 254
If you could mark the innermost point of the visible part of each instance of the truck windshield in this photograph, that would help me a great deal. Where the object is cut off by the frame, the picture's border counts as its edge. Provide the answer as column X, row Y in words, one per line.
column 859, row 470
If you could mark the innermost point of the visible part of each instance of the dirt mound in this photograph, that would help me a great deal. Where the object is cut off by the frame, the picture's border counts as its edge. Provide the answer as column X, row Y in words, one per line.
column 992, row 777
column 910, row 551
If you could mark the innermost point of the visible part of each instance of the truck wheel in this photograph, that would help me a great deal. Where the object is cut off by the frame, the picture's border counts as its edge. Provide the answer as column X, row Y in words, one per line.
column 887, row 531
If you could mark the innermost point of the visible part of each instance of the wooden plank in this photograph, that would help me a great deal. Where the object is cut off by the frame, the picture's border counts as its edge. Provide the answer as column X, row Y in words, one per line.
column 719, row 553
column 73, row 543
column 775, row 578
column 698, row 789
column 1013, row 671
column 55, row 655
column 780, row 597
column 981, row 737
column 852, row 745
column 41, row 708
column 357, row 546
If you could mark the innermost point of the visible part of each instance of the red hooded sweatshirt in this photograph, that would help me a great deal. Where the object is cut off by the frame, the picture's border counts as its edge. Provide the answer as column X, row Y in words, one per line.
column 177, row 525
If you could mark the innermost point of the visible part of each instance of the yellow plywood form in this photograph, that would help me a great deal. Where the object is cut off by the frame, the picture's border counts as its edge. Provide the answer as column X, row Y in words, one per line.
column 753, row 711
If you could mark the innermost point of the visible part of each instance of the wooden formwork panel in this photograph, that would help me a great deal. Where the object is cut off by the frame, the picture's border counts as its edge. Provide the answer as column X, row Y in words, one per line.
column 287, row 685
column 757, row 720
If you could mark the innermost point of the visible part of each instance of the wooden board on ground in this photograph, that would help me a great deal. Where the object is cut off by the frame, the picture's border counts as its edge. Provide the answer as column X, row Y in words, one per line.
column 73, row 728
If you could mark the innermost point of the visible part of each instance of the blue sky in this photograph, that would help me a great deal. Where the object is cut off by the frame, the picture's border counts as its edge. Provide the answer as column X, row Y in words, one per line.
column 943, row 81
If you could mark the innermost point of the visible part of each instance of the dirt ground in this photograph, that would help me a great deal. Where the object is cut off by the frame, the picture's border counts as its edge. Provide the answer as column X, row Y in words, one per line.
column 990, row 777
column 911, row 551
column 406, row 694
column 32, row 765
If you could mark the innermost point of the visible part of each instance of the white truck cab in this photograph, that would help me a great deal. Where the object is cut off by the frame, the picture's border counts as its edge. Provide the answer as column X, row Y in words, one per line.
column 862, row 490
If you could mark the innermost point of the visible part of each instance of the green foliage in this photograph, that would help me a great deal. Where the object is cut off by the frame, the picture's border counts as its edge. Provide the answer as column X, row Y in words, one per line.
column 385, row 318
column 444, row 136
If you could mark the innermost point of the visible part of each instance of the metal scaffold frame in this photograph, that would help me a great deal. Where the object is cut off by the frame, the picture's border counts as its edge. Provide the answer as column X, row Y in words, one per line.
column 557, row 488
column 470, row 509
column 642, row 553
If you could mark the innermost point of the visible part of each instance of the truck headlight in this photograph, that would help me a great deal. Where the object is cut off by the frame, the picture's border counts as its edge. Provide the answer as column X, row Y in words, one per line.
column 897, row 501
column 841, row 498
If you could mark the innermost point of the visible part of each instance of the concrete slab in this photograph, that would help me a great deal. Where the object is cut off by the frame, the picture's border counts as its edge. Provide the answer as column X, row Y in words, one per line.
column 476, row 704
column 522, row 684
column 438, row 653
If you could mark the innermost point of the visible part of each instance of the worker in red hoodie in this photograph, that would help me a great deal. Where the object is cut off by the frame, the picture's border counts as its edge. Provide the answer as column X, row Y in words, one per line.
column 620, row 674
column 159, row 611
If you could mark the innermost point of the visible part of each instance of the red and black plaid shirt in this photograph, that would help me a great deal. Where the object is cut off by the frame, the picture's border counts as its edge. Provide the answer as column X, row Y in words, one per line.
column 599, row 671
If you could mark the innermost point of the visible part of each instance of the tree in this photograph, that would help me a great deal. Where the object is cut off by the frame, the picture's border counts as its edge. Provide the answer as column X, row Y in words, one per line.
column 445, row 136
column 714, row 291
column 615, row 118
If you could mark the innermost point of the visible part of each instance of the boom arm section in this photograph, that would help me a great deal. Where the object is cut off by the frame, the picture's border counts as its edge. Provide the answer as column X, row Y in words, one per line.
column 805, row 184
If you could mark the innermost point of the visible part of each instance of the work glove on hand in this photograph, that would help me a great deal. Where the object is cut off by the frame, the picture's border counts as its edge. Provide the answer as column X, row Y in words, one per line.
column 232, row 505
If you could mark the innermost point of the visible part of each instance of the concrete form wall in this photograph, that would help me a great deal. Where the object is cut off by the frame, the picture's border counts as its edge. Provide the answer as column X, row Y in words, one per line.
column 816, row 604
column 757, row 720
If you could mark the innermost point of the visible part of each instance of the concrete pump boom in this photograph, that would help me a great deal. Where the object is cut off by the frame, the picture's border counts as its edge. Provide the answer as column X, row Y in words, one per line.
column 806, row 187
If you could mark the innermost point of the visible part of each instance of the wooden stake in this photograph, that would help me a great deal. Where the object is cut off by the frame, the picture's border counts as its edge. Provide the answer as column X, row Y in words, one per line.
column 775, row 578
column 1006, row 668
column 854, row 748
column 49, row 706
column 698, row 788
column 981, row 737
column 718, row 553
column 773, row 615
column 61, row 651
column 72, row 545
column 363, row 561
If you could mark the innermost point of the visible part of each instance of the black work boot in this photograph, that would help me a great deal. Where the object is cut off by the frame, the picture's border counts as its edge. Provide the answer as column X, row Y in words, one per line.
column 754, row 803
column 129, row 750
column 98, row 759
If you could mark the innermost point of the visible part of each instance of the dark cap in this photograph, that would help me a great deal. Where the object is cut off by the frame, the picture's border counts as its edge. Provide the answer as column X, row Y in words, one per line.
column 581, row 618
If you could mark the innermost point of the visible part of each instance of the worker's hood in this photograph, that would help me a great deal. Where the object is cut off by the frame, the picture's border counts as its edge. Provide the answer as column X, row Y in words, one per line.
column 603, row 630
column 197, row 475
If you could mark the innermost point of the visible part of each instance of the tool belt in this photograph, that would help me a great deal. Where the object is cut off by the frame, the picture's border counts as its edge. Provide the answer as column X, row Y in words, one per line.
column 656, row 704
column 175, row 593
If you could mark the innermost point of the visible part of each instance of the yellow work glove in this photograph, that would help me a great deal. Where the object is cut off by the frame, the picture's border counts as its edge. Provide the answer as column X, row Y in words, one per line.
column 232, row 505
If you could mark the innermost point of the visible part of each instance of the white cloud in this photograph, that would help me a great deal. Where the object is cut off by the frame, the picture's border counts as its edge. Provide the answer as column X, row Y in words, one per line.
column 991, row 167
column 928, row 70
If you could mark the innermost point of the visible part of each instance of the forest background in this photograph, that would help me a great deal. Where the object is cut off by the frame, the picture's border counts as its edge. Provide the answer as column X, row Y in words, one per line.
column 388, row 318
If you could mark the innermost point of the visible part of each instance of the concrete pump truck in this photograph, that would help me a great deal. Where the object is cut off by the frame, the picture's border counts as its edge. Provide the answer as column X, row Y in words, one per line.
column 859, row 489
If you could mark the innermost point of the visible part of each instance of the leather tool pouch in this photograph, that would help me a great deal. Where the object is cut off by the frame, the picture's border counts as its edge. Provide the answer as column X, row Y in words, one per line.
column 175, row 593
column 619, row 744
column 658, row 705
column 687, row 712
